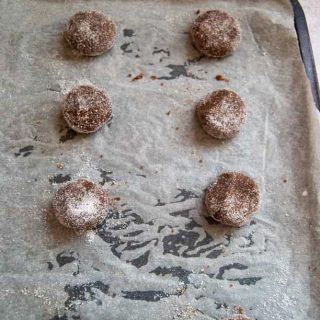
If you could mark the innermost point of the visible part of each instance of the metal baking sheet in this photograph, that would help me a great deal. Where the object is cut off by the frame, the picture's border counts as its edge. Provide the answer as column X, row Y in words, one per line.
column 306, row 49
column 156, row 255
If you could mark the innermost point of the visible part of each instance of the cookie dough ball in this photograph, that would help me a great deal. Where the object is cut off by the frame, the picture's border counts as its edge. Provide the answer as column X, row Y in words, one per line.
column 216, row 34
column 90, row 33
column 232, row 199
column 222, row 113
column 86, row 108
column 80, row 204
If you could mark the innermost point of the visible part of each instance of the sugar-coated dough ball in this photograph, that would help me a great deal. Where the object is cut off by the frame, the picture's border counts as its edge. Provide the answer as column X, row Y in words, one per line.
column 216, row 33
column 232, row 198
column 86, row 108
column 90, row 33
column 222, row 113
column 80, row 204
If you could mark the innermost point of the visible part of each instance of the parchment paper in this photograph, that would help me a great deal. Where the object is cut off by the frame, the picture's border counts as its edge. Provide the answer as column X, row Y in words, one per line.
column 156, row 256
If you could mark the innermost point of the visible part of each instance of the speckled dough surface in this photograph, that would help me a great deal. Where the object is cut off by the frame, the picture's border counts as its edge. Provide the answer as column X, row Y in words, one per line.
column 90, row 33
column 232, row 199
column 86, row 108
column 222, row 113
column 80, row 204
column 216, row 33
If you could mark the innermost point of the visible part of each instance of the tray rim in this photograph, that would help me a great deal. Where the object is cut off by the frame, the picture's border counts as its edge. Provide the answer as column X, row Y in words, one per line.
column 306, row 51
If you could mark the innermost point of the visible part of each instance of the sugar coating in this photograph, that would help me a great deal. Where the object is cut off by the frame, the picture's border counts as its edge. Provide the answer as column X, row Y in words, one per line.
column 80, row 204
column 86, row 108
column 215, row 33
column 222, row 113
column 90, row 33
column 232, row 199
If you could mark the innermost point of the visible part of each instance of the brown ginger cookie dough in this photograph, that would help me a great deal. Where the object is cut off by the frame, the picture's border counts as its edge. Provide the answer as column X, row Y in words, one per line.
column 232, row 199
column 90, row 33
column 222, row 113
column 86, row 108
column 215, row 33
column 80, row 204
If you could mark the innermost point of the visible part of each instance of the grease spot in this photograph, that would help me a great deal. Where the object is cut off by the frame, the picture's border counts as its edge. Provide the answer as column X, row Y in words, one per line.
column 150, row 296
column 227, row 267
column 185, row 195
column 105, row 176
column 25, row 151
column 59, row 178
column 128, row 33
column 165, row 51
column 70, row 134
column 64, row 258
column 178, row 272
column 178, row 71
column 160, row 203
column 247, row 281
column 141, row 260
column 84, row 292
column 124, row 47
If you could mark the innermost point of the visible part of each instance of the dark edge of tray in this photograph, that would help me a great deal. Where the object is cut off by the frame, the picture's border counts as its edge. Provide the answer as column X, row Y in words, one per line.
column 306, row 49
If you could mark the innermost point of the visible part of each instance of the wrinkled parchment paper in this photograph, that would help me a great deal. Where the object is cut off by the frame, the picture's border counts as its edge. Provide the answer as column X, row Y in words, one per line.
column 156, row 256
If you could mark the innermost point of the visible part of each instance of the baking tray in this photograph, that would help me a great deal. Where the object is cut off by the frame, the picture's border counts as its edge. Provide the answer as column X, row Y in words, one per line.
column 306, row 49
column 155, row 256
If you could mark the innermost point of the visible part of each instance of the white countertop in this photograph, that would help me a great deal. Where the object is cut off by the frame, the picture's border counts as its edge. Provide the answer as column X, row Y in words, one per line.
column 312, row 11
